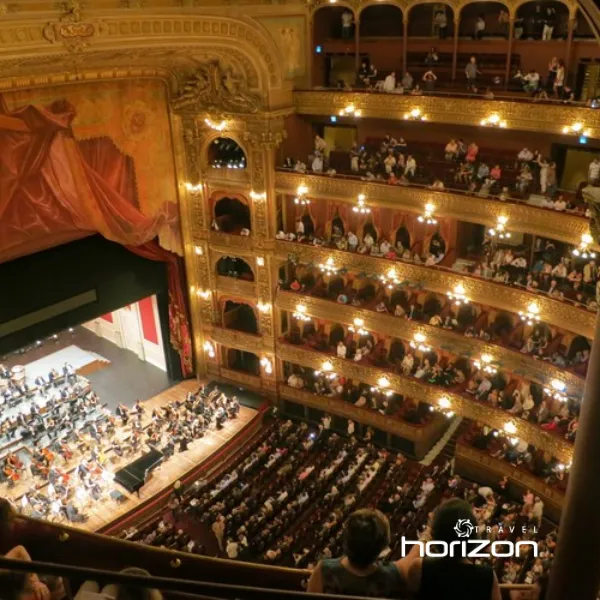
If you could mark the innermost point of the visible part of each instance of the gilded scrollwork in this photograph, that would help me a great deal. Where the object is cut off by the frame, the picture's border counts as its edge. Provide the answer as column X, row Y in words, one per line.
column 414, row 388
column 233, row 339
column 237, row 287
column 539, row 371
column 497, row 295
column 521, row 217
column 545, row 118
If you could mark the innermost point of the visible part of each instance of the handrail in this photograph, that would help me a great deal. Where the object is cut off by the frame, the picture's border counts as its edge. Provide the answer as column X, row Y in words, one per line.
column 224, row 590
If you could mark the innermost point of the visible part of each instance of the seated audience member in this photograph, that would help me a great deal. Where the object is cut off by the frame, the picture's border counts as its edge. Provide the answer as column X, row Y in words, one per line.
column 359, row 572
column 531, row 81
column 90, row 590
column 435, row 578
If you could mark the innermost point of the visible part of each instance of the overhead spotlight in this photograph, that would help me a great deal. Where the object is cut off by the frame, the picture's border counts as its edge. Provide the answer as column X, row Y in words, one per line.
column 361, row 207
column 427, row 217
column 458, row 295
column 415, row 115
column 531, row 315
column 500, row 230
column 583, row 251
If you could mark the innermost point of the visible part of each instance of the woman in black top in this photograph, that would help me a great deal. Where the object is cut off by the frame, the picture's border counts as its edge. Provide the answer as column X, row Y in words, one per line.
column 452, row 578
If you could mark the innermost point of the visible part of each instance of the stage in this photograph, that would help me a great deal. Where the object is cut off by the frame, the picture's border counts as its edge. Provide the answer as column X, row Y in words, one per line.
column 104, row 512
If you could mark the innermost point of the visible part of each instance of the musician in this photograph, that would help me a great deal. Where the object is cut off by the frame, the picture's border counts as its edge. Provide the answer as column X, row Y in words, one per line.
column 4, row 372
column 68, row 371
column 53, row 375
column 138, row 408
column 123, row 412
column 37, row 454
column 214, row 394
column 221, row 417
column 40, row 382
column 13, row 462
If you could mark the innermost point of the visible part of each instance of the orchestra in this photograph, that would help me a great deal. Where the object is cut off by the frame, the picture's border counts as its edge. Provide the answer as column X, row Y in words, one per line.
column 70, row 441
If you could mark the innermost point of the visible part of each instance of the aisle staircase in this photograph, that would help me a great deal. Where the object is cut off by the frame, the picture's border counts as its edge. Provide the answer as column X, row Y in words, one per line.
column 447, row 443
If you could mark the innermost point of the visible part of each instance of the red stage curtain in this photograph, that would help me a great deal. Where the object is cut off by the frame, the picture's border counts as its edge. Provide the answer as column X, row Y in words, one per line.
column 179, row 324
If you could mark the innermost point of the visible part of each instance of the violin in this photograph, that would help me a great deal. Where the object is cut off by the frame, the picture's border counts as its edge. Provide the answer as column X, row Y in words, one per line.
column 65, row 452
column 48, row 455
column 14, row 462
column 43, row 469
column 65, row 476
column 11, row 474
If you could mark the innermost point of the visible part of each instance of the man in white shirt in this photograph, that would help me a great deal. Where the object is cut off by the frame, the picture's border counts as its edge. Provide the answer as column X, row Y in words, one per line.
column 594, row 170
column 350, row 427
column 347, row 22
column 326, row 422
column 389, row 162
column 479, row 28
column 320, row 144
column 341, row 349
column 532, row 81
column 389, row 84
column 352, row 241
column 526, row 155
column 317, row 163
column 411, row 166
column 232, row 549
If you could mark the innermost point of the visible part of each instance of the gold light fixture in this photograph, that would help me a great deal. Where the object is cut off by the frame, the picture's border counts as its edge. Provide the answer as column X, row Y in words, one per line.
column 300, row 313
column 193, row 187
column 381, row 388
column 260, row 261
column 557, row 390
column 444, row 406
column 198, row 250
column 258, row 196
column 264, row 307
column 209, row 349
column 500, row 230
column 216, row 125
column 327, row 370
column 427, row 217
column 577, row 128
column 418, row 343
column 485, row 363
column 266, row 364
column 361, row 207
column 391, row 279
column 415, row 115
column 204, row 294
column 301, row 198
column 444, row 402
column 510, row 428
column 328, row 267
column 358, row 327
column 493, row 120
column 531, row 315
column 350, row 111
column 458, row 295
column 583, row 251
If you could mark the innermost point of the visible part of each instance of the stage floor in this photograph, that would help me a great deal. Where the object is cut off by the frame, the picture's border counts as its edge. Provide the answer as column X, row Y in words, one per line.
column 104, row 512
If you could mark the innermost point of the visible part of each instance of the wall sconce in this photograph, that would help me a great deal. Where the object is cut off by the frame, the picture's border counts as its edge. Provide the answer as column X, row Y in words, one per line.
column 583, row 251
column 531, row 315
column 383, row 382
column 264, row 307
column 557, row 390
column 484, row 363
column 362, row 208
column 415, row 115
column 493, row 120
column 300, row 313
column 510, row 428
column 350, row 111
column 500, row 230
column 443, row 406
column 418, row 343
column 190, row 187
column 301, row 197
column 391, row 279
column 198, row 250
column 358, row 327
column 209, row 349
column 577, row 129
column 258, row 197
column 513, row 441
column 458, row 295
column 266, row 364
column 260, row 261
column 444, row 402
column 204, row 294
column 326, row 369
column 328, row 267
column 427, row 216
column 217, row 126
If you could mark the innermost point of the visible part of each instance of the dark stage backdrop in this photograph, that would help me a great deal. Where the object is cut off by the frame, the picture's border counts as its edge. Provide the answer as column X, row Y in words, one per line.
column 47, row 292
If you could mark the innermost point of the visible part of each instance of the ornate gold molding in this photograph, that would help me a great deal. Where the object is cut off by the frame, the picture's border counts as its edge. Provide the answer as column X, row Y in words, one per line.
column 425, row 392
column 515, row 474
column 489, row 293
column 523, row 116
column 237, row 287
column 521, row 217
column 238, row 340
column 228, row 243
column 437, row 337
column 244, row 379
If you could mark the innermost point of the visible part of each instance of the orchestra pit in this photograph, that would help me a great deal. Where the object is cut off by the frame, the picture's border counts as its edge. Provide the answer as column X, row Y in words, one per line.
column 299, row 297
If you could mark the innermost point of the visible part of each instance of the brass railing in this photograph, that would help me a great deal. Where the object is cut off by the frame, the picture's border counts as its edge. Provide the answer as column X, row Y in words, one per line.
column 237, row 287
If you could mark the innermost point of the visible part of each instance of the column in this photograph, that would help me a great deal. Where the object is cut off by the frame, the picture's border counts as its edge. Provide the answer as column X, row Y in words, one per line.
column 507, row 73
column 404, row 44
column 576, row 566
column 455, row 47
column 356, row 46
column 569, row 46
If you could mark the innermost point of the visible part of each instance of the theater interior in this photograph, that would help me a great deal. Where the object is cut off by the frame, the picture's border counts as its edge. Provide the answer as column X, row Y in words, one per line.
column 267, row 268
